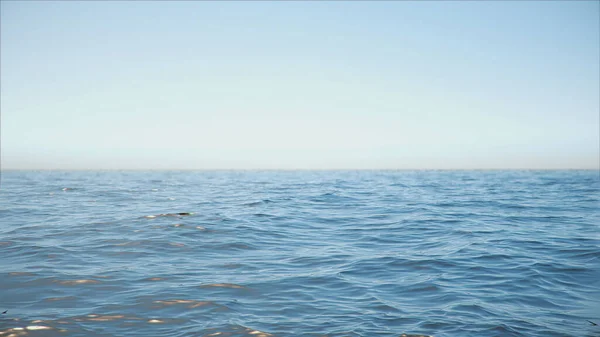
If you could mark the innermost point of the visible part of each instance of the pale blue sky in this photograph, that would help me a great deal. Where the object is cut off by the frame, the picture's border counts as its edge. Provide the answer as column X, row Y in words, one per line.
column 321, row 85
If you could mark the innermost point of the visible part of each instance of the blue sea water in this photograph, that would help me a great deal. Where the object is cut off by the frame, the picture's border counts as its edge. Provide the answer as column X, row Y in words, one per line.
column 300, row 253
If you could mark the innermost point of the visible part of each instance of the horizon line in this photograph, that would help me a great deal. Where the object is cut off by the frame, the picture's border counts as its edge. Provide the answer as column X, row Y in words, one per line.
column 300, row 169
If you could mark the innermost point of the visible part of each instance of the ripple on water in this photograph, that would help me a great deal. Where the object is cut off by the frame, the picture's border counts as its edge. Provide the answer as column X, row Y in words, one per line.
column 223, row 285
column 78, row 282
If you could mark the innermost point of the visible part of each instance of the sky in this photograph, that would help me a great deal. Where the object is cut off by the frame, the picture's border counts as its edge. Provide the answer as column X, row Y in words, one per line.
column 300, row 85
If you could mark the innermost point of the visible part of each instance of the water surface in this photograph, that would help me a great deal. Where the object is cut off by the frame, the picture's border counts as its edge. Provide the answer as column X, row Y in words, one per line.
column 348, row 253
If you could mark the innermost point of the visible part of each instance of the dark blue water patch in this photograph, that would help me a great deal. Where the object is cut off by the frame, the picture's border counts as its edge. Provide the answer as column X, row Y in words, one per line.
column 267, row 253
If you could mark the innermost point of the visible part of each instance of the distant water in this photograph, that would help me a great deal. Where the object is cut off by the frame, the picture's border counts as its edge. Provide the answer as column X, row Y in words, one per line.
column 353, row 253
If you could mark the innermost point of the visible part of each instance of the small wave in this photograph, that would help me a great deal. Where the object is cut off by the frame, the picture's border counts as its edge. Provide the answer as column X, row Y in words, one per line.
column 78, row 282
column 181, row 214
column 191, row 304
column 223, row 285
column 258, row 203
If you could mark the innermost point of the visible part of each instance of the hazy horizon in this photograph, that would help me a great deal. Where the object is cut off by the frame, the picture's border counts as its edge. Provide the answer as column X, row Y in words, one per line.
column 290, row 170
column 300, row 85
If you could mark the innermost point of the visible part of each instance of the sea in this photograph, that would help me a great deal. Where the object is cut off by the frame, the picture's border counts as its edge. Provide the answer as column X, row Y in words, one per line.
column 300, row 253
